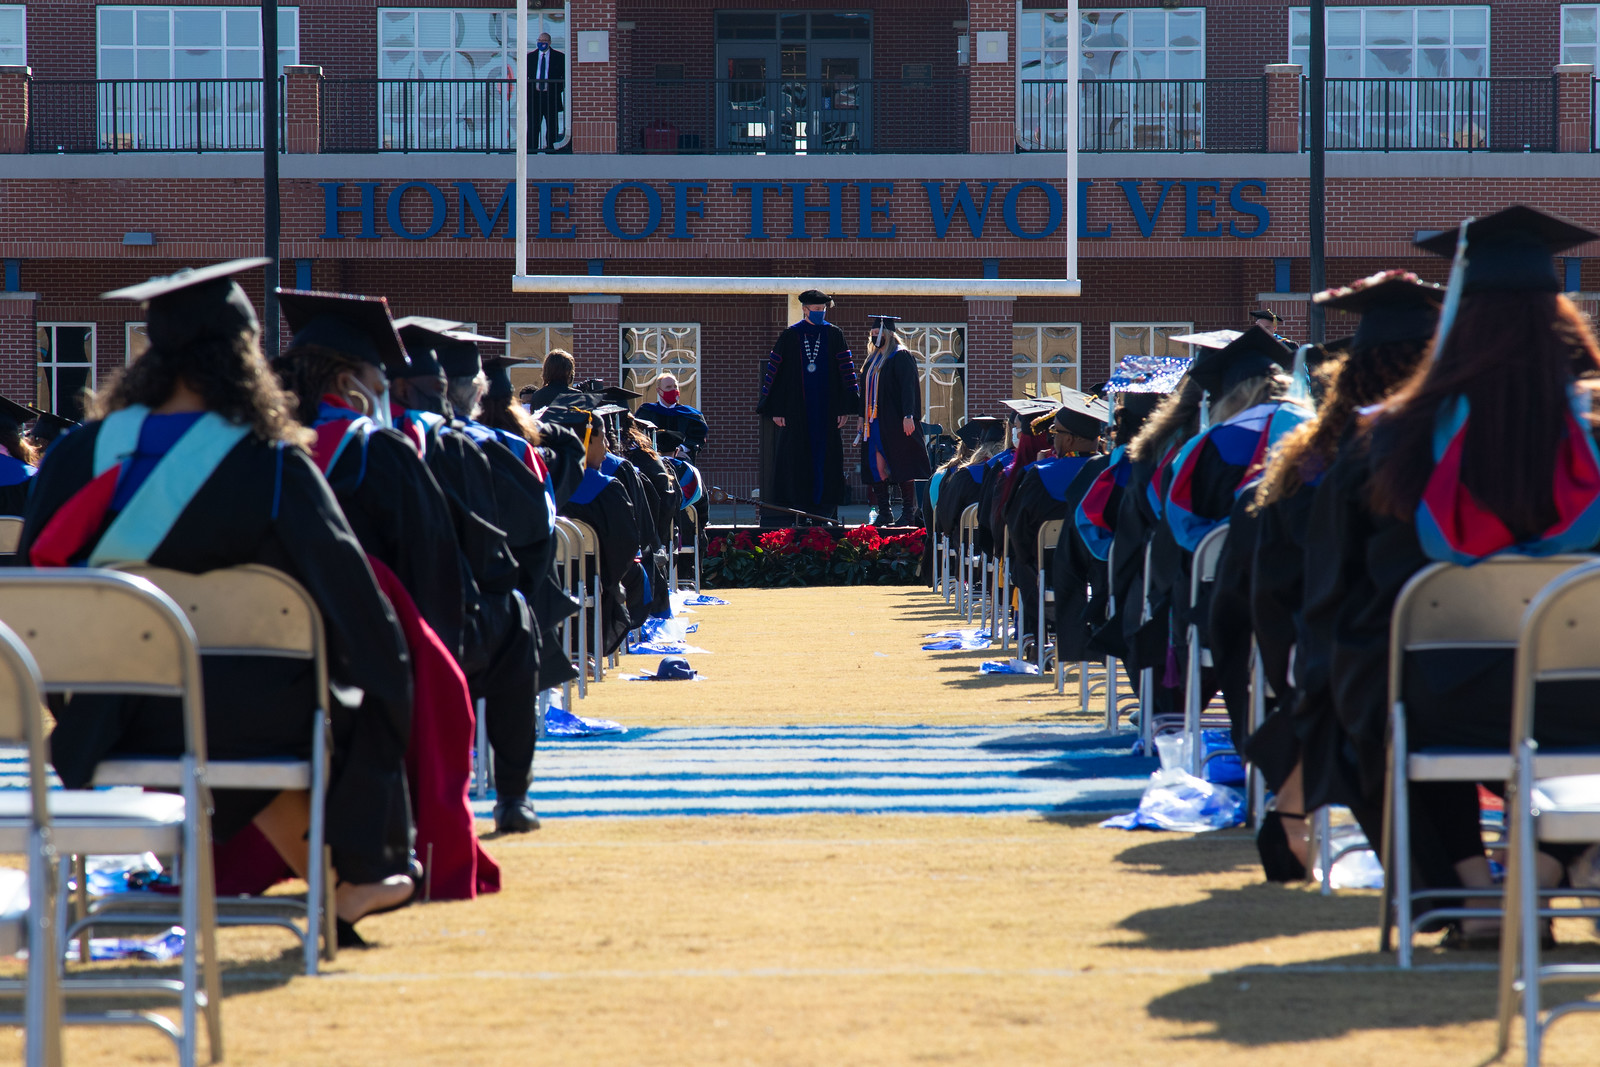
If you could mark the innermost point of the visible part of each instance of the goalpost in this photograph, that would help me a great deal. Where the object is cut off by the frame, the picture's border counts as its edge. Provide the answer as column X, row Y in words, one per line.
column 628, row 284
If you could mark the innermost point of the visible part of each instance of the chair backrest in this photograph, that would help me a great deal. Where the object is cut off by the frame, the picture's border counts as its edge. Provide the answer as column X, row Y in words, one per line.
column 98, row 631
column 1049, row 534
column 969, row 519
column 692, row 515
column 22, row 713
column 1444, row 606
column 1559, row 640
column 588, row 539
column 1206, row 555
column 10, row 533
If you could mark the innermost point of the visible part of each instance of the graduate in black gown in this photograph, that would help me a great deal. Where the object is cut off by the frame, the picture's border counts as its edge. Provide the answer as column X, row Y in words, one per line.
column 603, row 502
column 1050, row 488
column 957, row 484
column 1399, row 313
column 19, row 457
column 194, row 463
column 666, row 412
column 810, row 393
column 892, row 449
column 1501, row 400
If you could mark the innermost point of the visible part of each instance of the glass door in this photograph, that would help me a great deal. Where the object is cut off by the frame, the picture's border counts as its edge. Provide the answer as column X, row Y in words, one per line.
column 748, row 106
column 840, row 97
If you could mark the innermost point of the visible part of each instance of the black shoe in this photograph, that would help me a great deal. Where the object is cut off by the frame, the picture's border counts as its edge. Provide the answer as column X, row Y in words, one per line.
column 908, row 518
column 515, row 817
column 1278, row 860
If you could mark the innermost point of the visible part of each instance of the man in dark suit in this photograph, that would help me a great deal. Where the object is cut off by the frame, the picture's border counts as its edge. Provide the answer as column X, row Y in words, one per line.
column 547, row 87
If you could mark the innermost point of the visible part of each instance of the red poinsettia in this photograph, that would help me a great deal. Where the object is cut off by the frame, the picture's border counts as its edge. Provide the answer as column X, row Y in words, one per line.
column 817, row 539
column 866, row 538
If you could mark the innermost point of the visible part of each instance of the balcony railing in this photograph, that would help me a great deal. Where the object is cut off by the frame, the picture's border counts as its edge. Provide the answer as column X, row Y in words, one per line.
column 791, row 116
column 199, row 115
column 1198, row 115
column 1436, row 115
column 405, row 115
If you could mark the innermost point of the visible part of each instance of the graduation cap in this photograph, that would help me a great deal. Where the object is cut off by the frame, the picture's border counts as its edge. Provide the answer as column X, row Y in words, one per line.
column 1209, row 339
column 423, row 336
column 1134, row 409
column 459, row 355
column 1080, row 414
column 673, row 669
column 1512, row 250
column 1394, row 305
column 498, row 371
column 669, row 440
column 884, row 322
column 618, row 395
column 1029, row 408
column 1156, row 375
column 21, row 414
column 1251, row 354
column 194, row 303
column 816, row 296
column 1269, row 318
column 986, row 429
column 358, row 326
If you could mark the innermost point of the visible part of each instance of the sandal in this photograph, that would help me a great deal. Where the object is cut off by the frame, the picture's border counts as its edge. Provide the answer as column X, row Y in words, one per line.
column 345, row 929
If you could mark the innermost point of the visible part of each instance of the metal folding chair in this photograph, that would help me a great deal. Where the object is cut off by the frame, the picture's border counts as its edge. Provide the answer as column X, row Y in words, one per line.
column 588, row 545
column 1559, row 640
column 1203, row 572
column 1044, row 553
column 1446, row 607
column 970, row 562
column 141, row 643
column 690, row 518
column 1147, row 675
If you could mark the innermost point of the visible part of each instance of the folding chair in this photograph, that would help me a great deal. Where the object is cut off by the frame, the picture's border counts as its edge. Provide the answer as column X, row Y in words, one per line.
column 588, row 545
column 569, row 567
column 1559, row 640
column 138, row 643
column 969, row 563
column 1147, row 675
column 692, row 519
column 10, row 534
column 1259, row 688
column 249, row 610
column 1002, row 587
column 1044, row 553
column 1203, row 572
column 1445, row 607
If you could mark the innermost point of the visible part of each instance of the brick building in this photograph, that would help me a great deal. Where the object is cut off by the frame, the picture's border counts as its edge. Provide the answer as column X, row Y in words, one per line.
column 890, row 139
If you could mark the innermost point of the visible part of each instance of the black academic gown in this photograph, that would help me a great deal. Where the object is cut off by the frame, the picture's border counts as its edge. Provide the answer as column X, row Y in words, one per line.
column 268, row 505
column 1045, row 492
column 1277, row 596
column 1074, row 570
column 958, row 491
column 1228, row 625
column 988, row 537
column 652, row 595
column 603, row 502
column 678, row 418
column 899, row 395
column 808, row 442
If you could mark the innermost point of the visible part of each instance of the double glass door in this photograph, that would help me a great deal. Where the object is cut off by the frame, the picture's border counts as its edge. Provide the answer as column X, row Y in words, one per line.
column 795, row 99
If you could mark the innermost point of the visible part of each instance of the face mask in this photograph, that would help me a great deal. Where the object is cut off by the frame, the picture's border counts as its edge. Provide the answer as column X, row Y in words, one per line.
column 378, row 407
column 544, row 46
column 669, row 397
column 1016, row 437
column 817, row 317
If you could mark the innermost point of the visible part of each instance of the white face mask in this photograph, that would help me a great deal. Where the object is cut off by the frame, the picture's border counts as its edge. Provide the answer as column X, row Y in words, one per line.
column 1016, row 436
column 379, row 412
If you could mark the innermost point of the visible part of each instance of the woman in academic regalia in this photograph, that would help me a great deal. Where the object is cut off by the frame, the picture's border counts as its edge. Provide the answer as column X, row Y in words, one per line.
column 961, row 480
column 194, row 463
column 19, row 457
column 1502, row 401
column 604, row 503
column 1398, row 313
column 892, row 452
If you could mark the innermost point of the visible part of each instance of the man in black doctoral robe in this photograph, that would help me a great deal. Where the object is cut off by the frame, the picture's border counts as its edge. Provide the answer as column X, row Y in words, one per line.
column 810, row 392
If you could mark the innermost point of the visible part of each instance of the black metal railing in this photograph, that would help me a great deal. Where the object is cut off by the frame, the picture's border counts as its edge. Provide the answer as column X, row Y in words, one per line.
column 194, row 115
column 1594, row 116
column 791, row 116
column 1126, row 115
column 418, row 115
column 1436, row 115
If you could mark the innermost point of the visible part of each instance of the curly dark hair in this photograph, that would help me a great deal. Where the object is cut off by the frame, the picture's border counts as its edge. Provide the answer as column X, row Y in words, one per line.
column 308, row 371
column 500, row 412
column 229, row 373
column 17, row 446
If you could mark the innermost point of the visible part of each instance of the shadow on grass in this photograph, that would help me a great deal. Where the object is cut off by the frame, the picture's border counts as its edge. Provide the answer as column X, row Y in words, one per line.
column 1184, row 856
column 1261, row 912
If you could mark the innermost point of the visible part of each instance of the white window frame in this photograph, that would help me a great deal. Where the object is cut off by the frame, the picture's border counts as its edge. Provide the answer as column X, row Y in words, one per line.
column 909, row 333
column 1591, row 48
column 1301, row 54
column 693, row 397
column 1037, row 365
column 55, row 364
column 131, row 331
column 526, row 374
column 288, row 44
column 21, row 59
column 1149, row 348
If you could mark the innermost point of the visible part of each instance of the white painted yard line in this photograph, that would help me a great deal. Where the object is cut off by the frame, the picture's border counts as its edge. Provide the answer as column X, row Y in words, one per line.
column 844, row 787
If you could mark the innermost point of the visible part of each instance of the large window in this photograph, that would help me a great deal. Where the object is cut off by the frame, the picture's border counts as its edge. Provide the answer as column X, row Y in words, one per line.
column 1148, row 339
column 1142, row 72
column 184, row 78
column 941, row 351
column 453, row 49
column 65, row 367
column 1398, row 42
column 1042, row 356
column 533, row 341
column 1580, row 33
column 13, row 35
column 651, row 350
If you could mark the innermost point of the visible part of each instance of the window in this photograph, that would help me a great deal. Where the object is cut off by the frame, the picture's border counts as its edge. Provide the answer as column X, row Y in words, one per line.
column 941, row 351
column 186, row 78
column 1118, row 50
column 1041, row 356
column 534, row 341
column 135, row 341
column 13, row 35
column 65, row 367
column 649, row 351
column 1398, row 42
column 1580, row 41
column 1148, row 339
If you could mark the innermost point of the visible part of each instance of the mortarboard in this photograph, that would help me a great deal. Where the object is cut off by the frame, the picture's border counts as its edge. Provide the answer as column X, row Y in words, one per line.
column 194, row 303
column 458, row 352
column 816, row 296
column 423, row 337
column 986, row 429
column 358, row 326
column 619, row 395
column 1148, row 374
column 883, row 322
column 498, row 371
column 48, row 425
column 21, row 414
column 1394, row 306
column 1251, row 354
column 1209, row 339
column 1080, row 414
column 1029, row 408
column 670, row 440
column 1512, row 250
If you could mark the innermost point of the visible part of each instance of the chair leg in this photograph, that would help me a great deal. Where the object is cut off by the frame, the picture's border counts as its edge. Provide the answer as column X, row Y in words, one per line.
column 1325, row 848
column 42, row 1027
column 599, row 639
column 1386, row 851
column 1147, row 712
column 582, row 620
column 1527, row 860
column 211, row 964
column 1038, row 628
column 1111, row 694
column 1511, row 928
column 1191, row 702
column 1401, row 873
column 316, row 839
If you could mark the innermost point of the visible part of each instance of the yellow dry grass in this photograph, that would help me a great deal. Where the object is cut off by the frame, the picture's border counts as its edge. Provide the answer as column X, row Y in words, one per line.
column 835, row 939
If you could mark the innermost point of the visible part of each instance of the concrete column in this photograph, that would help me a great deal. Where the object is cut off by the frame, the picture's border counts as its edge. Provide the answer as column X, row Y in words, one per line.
column 302, row 109
column 14, row 110
column 19, row 351
column 595, row 340
column 1283, row 107
column 990, row 345
column 992, row 76
column 1574, row 107
column 592, row 108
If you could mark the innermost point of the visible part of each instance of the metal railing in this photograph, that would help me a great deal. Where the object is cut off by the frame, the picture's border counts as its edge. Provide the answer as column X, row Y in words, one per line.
column 1436, row 114
column 418, row 115
column 1594, row 116
column 1126, row 115
column 146, row 115
column 791, row 116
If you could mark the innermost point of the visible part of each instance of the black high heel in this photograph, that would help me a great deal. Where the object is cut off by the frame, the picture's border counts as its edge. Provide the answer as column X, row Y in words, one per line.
column 345, row 932
column 1278, row 860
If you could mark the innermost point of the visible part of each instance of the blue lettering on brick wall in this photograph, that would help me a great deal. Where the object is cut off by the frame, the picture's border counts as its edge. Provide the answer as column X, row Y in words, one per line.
column 1008, row 210
column 332, row 209
column 467, row 203
column 397, row 224
column 652, row 207
column 1256, row 210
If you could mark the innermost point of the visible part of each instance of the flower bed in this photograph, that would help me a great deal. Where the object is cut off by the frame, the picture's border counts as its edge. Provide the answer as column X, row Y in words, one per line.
column 814, row 555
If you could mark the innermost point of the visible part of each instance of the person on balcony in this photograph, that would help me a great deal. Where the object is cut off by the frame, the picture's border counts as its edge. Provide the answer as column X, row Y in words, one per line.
column 547, row 89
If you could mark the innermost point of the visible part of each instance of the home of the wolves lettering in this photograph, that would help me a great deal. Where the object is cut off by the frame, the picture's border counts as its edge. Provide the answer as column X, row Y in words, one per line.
column 1207, row 211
